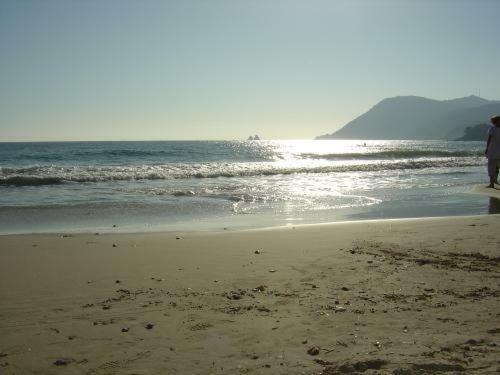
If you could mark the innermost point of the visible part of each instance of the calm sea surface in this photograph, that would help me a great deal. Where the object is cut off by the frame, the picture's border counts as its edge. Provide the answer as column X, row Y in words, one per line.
column 209, row 185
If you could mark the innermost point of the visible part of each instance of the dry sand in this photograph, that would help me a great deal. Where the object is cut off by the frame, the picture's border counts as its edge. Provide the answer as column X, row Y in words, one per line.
column 395, row 296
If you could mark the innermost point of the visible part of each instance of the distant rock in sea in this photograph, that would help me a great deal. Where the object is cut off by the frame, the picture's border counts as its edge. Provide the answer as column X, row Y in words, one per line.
column 256, row 138
column 418, row 118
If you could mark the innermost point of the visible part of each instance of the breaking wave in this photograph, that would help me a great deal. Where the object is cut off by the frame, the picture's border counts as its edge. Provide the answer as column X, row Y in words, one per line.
column 52, row 175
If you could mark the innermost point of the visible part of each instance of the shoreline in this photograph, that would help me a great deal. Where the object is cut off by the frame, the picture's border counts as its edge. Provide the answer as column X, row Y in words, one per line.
column 417, row 295
column 191, row 213
column 209, row 232
column 237, row 223
column 486, row 191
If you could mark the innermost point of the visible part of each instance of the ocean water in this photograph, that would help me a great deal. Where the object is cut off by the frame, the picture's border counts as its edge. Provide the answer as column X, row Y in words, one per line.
column 217, row 185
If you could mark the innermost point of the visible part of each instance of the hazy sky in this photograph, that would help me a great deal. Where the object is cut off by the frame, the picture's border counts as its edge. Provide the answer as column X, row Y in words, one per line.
column 92, row 70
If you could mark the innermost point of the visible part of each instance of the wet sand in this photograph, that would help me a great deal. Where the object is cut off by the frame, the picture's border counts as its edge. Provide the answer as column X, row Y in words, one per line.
column 487, row 191
column 397, row 296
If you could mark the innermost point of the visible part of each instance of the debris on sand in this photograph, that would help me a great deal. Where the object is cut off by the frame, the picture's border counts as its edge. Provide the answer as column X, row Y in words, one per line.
column 235, row 294
column 200, row 326
column 336, row 308
column 431, row 368
column 314, row 350
column 362, row 366
column 259, row 288
column 322, row 362
column 62, row 362
column 104, row 322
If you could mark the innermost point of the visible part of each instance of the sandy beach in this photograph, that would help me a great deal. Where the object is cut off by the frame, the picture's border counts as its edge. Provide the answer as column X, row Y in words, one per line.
column 396, row 296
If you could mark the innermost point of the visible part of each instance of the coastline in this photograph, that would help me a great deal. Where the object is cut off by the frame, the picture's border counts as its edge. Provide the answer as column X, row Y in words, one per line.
column 206, row 186
column 410, row 295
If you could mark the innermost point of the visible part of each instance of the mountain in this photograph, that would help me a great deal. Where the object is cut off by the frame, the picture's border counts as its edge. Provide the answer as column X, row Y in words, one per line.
column 475, row 133
column 414, row 117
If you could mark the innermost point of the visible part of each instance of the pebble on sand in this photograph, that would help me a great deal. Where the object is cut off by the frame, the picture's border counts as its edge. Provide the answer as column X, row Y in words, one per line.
column 149, row 326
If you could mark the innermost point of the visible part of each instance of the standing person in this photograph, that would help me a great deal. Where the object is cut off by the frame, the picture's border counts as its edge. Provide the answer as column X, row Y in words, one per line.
column 493, row 150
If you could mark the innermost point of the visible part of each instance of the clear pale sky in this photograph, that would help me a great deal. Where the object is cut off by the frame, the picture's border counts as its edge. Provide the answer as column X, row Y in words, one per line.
column 125, row 70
